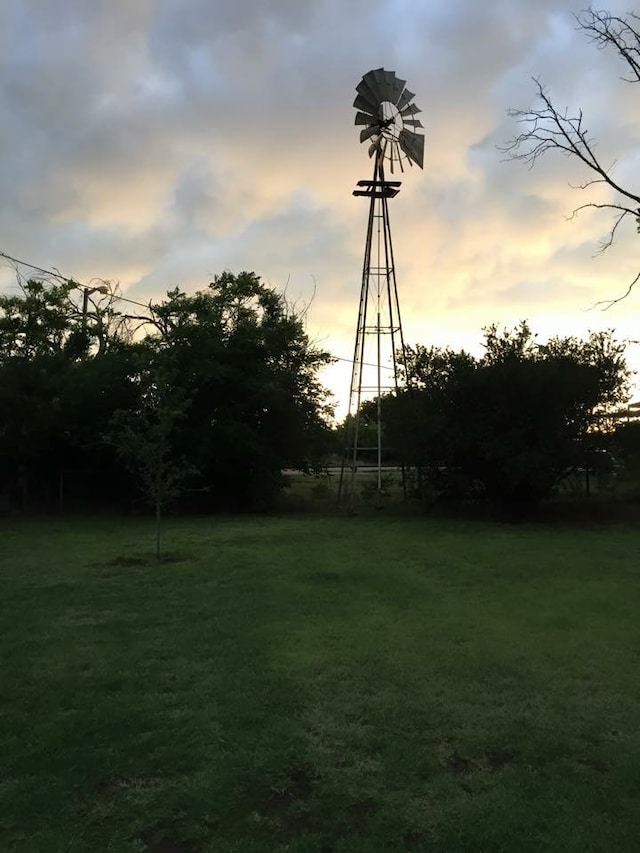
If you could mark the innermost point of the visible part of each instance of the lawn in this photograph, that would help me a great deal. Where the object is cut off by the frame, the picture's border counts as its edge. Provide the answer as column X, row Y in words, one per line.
column 319, row 684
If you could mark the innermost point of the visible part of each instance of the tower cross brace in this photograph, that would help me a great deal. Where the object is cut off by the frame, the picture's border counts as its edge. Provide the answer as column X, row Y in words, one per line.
column 379, row 347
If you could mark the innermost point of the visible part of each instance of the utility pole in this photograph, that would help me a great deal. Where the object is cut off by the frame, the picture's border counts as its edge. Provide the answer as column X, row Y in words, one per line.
column 86, row 293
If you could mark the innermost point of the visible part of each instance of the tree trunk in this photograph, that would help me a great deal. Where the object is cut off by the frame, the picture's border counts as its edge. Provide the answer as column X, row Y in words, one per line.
column 158, row 528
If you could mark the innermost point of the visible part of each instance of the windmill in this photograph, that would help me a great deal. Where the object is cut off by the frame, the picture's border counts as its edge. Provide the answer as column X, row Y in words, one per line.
column 387, row 114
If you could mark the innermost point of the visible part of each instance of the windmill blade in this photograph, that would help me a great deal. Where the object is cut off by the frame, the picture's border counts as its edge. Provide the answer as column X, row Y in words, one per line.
column 365, row 118
column 410, row 110
column 398, row 88
column 414, row 121
column 371, row 85
column 404, row 99
column 393, row 87
column 370, row 77
column 367, row 88
column 378, row 145
column 366, row 105
column 386, row 86
column 379, row 75
column 374, row 145
column 368, row 132
column 413, row 146
column 381, row 83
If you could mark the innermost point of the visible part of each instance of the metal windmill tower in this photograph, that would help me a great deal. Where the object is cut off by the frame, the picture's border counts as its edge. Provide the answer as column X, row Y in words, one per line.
column 384, row 106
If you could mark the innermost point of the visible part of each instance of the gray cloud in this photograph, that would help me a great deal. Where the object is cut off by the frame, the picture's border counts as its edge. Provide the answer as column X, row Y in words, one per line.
column 160, row 142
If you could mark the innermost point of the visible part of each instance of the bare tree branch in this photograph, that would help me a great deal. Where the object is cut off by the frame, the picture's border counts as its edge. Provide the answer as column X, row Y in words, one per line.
column 622, row 34
column 546, row 128
column 609, row 302
column 605, row 244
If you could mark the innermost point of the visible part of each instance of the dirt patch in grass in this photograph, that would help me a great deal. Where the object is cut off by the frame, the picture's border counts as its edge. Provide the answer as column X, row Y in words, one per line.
column 595, row 766
column 121, row 562
column 458, row 764
column 295, row 808
column 169, row 837
column 324, row 577
column 499, row 758
column 275, row 801
column 154, row 843
column 170, row 847
column 415, row 839
column 137, row 562
column 359, row 814
column 110, row 786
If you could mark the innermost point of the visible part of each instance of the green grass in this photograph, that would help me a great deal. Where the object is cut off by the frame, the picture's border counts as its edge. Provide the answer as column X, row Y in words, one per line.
column 319, row 684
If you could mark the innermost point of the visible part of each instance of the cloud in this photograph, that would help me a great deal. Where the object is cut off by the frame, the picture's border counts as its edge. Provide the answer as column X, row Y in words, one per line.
column 160, row 142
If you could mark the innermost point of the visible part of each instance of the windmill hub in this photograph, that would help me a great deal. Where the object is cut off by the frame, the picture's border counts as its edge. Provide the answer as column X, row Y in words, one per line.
column 390, row 122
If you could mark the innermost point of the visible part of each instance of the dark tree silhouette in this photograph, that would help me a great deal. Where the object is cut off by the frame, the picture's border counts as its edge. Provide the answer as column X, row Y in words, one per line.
column 69, row 360
column 510, row 425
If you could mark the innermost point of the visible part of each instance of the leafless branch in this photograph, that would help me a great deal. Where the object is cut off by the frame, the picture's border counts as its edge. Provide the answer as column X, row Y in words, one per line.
column 302, row 315
column 546, row 128
column 607, row 303
column 622, row 34
column 624, row 211
column 587, row 184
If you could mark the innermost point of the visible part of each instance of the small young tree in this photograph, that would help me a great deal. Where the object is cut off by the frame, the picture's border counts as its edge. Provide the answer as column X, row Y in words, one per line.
column 144, row 440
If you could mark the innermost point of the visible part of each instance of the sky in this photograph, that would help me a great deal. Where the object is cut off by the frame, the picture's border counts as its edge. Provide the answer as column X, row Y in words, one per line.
column 158, row 142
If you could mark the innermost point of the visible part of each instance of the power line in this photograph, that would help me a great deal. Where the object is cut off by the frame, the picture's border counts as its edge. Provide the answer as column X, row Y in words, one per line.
column 58, row 275
column 61, row 278
column 364, row 363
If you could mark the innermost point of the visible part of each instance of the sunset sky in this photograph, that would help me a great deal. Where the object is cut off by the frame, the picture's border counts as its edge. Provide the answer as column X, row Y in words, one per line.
column 158, row 142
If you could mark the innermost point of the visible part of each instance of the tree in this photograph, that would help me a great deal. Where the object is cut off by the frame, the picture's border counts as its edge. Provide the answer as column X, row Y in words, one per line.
column 145, row 439
column 236, row 350
column 64, row 368
column 511, row 424
column 546, row 128
column 250, row 371
column 427, row 422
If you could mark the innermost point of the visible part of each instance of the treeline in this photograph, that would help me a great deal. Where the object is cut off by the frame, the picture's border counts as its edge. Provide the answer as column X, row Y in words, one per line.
column 207, row 398
column 209, row 395
column 510, row 426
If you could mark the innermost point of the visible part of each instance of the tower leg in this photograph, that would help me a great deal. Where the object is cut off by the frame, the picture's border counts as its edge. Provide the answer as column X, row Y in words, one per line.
column 371, row 378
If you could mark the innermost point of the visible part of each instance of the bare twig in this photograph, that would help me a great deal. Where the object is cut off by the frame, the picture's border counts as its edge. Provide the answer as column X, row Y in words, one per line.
column 623, row 34
column 607, row 303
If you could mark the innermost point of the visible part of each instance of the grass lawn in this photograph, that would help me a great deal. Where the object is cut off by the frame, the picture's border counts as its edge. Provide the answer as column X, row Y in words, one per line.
column 319, row 684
